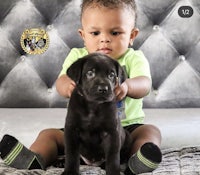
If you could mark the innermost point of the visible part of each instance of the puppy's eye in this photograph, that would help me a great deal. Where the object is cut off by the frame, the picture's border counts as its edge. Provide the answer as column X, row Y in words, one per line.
column 90, row 74
column 111, row 75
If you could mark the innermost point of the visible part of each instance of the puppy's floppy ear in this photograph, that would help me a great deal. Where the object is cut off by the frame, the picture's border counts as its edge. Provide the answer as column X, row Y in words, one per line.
column 121, row 73
column 75, row 70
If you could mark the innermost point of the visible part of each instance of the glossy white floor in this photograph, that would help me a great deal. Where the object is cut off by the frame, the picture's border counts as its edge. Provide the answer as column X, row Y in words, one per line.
column 179, row 127
column 25, row 124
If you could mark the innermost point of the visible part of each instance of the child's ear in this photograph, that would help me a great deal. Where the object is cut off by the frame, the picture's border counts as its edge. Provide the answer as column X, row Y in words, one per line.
column 134, row 33
column 81, row 33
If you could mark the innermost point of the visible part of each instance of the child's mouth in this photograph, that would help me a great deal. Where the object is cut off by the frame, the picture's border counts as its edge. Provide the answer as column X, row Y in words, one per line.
column 105, row 50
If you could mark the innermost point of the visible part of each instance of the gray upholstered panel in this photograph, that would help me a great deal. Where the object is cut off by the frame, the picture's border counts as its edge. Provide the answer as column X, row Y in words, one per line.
column 171, row 44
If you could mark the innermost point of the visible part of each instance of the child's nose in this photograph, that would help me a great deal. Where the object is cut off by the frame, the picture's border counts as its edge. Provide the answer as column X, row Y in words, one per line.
column 105, row 38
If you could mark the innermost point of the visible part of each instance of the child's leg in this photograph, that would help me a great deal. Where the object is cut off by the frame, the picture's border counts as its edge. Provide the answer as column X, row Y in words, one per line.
column 48, row 144
column 42, row 152
column 146, row 154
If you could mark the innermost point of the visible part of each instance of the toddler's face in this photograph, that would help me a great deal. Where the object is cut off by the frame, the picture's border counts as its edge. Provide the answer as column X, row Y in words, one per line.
column 109, row 31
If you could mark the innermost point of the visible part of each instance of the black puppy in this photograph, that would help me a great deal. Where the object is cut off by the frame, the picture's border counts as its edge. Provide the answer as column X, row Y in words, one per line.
column 93, row 130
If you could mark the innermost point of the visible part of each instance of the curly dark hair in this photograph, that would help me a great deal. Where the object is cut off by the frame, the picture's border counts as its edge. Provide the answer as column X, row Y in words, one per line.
column 129, row 4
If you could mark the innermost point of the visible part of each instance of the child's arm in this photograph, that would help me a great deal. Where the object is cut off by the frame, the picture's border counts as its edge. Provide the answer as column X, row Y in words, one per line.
column 65, row 86
column 137, row 87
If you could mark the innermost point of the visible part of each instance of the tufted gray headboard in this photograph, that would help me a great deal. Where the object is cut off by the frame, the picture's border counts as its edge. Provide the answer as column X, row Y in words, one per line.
column 170, row 42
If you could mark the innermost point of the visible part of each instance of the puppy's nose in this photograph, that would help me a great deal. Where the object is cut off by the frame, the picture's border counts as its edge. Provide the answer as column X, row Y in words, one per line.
column 102, row 89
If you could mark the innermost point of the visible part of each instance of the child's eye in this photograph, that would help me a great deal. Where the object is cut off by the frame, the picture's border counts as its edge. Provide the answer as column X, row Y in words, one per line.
column 115, row 33
column 95, row 33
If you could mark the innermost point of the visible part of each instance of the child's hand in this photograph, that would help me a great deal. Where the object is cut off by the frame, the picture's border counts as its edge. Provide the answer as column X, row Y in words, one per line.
column 69, row 88
column 121, row 91
column 65, row 86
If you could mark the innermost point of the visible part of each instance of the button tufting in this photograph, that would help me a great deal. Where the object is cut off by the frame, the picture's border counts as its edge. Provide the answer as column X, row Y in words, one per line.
column 49, row 90
column 155, row 92
column 156, row 27
column 50, row 27
column 182, row 58
column 22, row 58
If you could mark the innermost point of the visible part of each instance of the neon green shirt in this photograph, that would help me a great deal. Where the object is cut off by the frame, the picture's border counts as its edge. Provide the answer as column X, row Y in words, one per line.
column 136, row 65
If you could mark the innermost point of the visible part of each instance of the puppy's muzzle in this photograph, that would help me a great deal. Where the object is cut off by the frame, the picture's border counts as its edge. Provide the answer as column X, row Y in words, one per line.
column 101, row 92
column 102, row 89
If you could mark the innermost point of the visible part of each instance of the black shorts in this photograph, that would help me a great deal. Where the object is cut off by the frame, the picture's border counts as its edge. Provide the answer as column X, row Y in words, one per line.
column 132, row 127
column 129, row 128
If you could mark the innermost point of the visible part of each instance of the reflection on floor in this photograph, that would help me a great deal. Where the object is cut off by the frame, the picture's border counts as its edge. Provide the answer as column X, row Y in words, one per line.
column 25, row 124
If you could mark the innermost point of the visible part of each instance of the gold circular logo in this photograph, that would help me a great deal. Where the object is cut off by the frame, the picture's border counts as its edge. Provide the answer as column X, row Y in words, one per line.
column 34, row 41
